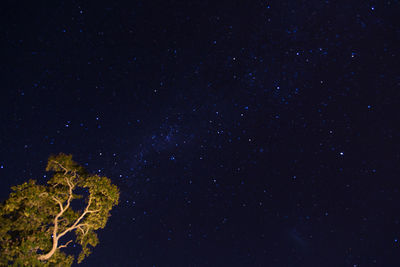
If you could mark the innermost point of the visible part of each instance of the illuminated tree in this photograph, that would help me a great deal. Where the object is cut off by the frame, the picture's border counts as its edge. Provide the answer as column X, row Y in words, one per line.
column 36, row 220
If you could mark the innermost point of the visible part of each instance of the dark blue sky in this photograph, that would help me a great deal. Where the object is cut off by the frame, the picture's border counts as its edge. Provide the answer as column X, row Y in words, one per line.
column 240, row 133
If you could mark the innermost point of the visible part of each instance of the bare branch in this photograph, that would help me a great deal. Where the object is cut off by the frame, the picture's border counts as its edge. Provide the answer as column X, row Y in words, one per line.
column 66, row 179
column 88, row 205
column 56, row 220
column 80, row 227
column 75, row 225
column 69, row 183
column 62, row 167
column 91, row 211
column 87, row 230
column 89, row 202
column 66, row 244
column 59, row 203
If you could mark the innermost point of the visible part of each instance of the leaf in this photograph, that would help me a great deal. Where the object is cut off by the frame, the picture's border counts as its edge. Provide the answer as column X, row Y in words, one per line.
column 28, row 217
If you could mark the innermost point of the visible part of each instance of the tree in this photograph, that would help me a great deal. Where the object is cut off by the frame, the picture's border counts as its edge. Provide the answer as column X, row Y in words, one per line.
column 35, row 219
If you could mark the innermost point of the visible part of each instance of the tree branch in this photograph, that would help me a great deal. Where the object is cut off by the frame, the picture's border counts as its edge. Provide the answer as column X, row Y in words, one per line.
column 59, row 203
column 66, row 244
column 80, row 227
column 55, row 230
column 76, row 224
column 62, row 167
column 71, row 187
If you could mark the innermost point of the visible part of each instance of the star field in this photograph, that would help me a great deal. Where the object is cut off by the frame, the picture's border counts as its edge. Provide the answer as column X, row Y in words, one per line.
column 257, row 133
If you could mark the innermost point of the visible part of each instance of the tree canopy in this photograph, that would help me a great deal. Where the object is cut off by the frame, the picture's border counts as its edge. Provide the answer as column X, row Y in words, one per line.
column 36, row 220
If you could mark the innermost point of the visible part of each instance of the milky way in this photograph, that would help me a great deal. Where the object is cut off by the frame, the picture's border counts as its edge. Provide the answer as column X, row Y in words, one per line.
column 250, row 133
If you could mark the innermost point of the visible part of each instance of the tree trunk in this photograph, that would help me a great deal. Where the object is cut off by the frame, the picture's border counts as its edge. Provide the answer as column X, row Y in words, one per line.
column 50, row 253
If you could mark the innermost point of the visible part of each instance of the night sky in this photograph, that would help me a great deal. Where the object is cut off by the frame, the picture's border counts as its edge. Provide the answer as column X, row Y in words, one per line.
column 240, row 133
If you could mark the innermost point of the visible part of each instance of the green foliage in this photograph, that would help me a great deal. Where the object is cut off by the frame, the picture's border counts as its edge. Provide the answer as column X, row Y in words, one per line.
column 35, row 218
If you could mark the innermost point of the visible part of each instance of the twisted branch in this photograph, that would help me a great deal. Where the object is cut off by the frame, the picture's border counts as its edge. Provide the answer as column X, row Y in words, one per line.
column 65, row 245
column 77, row 225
